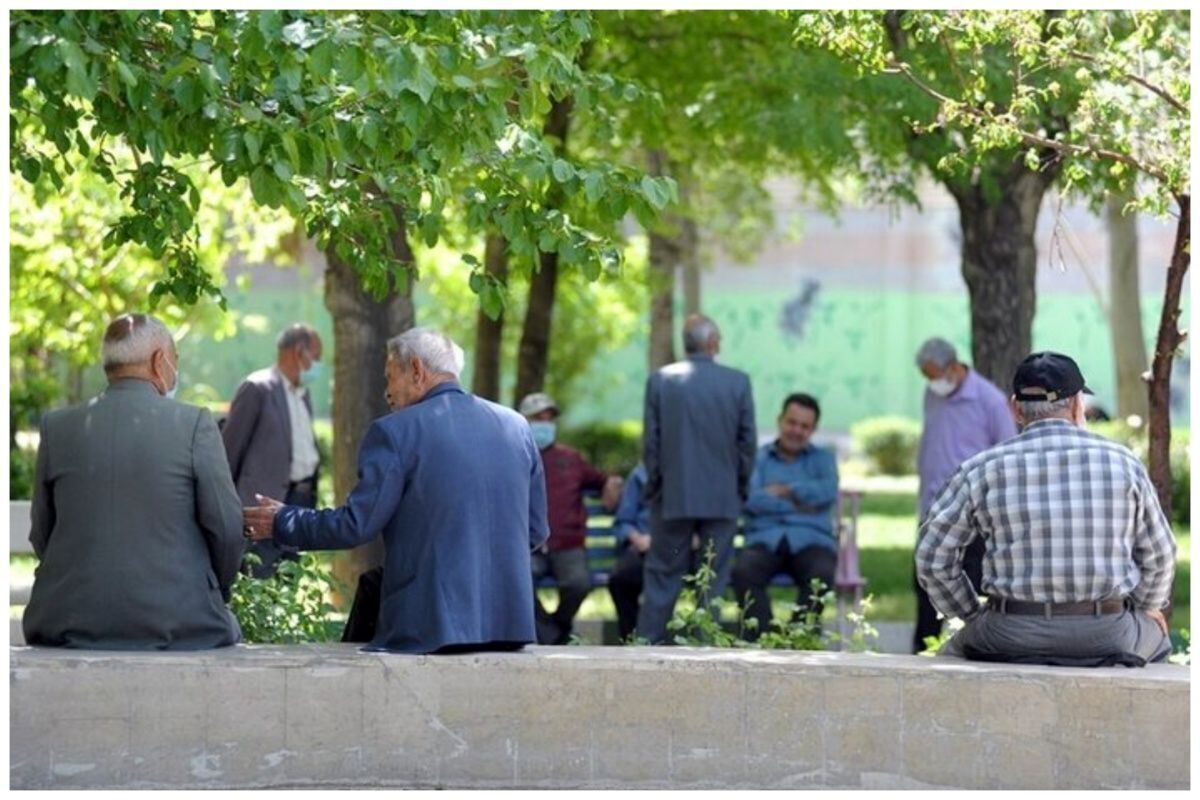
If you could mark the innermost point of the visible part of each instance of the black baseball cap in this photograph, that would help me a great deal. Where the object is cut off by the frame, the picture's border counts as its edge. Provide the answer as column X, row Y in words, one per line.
column 1048, row 376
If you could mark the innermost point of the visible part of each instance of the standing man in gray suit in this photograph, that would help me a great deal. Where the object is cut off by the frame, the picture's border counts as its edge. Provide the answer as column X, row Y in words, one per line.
column 698, row 448
column 269, row 435
column 135, row 522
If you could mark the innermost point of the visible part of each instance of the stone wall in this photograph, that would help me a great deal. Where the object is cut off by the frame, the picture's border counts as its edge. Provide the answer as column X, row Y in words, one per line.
column 587, row 717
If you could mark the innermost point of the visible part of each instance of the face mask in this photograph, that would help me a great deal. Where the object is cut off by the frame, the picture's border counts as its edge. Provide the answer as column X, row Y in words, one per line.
column 312, row 373
column 170, row 394
column 942, row 387
column 543, row 433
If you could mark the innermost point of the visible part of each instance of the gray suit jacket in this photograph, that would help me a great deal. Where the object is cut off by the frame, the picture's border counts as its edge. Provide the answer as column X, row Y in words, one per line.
column 136, row 525
column 258, row 437
column 699, row 439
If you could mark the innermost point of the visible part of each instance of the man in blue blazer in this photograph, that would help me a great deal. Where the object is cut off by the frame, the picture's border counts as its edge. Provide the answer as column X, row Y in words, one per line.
column 455, row 486
column 698, row 448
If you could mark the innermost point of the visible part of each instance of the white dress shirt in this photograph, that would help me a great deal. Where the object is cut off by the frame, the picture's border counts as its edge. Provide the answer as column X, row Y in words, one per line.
column 304, row 443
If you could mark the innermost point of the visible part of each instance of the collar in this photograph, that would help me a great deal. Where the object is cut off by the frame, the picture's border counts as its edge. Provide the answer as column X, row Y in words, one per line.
column 442, row 388
column 699, row 357
column 131, row 385
column 286, row 381
column 774, row 450
column 1053, row 422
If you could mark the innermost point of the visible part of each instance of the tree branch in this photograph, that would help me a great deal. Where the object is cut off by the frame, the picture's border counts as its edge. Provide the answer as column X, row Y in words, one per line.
column 1140, row 81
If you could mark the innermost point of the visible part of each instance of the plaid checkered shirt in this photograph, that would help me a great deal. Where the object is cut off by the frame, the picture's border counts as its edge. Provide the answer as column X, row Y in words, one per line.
column 1068, row 516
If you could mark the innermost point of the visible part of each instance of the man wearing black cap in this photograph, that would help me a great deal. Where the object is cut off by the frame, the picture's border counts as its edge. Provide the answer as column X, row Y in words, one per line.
column 1079, row 556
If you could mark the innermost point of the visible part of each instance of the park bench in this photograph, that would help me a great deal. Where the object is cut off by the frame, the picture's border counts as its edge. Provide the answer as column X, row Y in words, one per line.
column 848, row 583
column 587, row 717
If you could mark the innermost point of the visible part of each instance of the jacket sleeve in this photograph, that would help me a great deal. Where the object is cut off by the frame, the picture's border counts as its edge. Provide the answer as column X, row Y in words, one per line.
column 759, row 502
column 42, row 513
column 371, row 504
column 652, row 439
column 747, row 439
column 539, row 523
column 218, row 509
column 821, row 491
column 625, row 518
column 239, row 425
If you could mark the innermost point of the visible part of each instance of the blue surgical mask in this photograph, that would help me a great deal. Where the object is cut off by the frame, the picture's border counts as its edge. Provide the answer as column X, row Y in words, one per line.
column 543, row 433
column 312, row 373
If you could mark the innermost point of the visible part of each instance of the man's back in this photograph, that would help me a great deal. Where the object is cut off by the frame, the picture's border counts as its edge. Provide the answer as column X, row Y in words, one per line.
column 454, row 484
column 1068, row 516
column 700, row 439
column 136, row 525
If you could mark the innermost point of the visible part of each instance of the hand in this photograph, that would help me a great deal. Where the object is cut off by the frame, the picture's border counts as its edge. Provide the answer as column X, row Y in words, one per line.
column 780, row 490
column 259, row 520
column 639, row 541
column 611, row 495
column 1159, row 620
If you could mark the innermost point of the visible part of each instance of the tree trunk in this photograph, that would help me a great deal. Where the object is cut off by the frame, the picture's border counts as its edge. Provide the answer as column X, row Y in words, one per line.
column 1169, row 340
column 534, row 351
column 690, row 257
column 674, row 248
column 489, row 332
column 1125, row 308
column 361, row 327
column 999, row 264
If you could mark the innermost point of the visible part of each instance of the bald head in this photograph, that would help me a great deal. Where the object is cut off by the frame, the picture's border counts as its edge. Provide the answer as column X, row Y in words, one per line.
column 701, row 336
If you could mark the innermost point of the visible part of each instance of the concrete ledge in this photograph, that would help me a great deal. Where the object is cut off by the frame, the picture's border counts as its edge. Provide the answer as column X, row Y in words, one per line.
column 567, row 717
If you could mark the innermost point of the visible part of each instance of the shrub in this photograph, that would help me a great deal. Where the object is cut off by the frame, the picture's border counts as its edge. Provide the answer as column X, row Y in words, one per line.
column 21, row 464
column 889, row 442
column 323, row 432
column 610, row 446
column 289, row 607
column 1136, row 439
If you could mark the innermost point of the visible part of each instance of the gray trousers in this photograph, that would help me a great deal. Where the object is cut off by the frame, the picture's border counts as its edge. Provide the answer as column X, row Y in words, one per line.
column 667, row 562
column 1130, row 638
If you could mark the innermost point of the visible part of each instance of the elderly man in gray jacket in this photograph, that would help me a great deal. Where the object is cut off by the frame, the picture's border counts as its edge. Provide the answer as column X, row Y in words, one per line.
column 135, row 521
column 698, row 448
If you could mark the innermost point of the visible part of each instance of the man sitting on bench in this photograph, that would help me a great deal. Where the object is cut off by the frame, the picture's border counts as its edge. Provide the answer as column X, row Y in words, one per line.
column 789, row 516
column 568, row 475
column 1079, row 557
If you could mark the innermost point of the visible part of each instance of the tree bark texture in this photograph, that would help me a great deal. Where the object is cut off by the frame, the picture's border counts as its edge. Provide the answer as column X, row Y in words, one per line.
column 999, row 265
column 361, row 327
column 1125, row 308
column 489, row 333
column 1169, row 340
column 533, row 354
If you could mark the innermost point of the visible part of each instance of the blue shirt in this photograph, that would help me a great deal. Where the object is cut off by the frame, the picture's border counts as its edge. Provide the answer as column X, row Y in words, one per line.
column 632, row 513
column 806, row 518
column 454, row 485
column 957, row 427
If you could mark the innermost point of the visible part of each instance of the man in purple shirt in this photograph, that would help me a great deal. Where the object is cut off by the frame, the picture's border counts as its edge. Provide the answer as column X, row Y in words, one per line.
column 964, row 415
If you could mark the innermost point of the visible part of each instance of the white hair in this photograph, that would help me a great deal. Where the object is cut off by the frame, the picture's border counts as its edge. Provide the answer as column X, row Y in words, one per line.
column 132, row 339
column 436, row 350
column 698, row 331
column 1033, row 410
column 936, row 351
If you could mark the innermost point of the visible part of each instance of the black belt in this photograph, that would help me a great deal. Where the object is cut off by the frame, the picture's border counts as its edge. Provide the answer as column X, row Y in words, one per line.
column 1048, row 610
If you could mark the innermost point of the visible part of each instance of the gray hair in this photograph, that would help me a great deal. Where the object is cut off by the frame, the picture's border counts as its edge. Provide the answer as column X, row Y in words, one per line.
column 1033, row 410
column 132, row 339
column 436, row 350
column 295, row 335
column 698, row 331
column 936, row 351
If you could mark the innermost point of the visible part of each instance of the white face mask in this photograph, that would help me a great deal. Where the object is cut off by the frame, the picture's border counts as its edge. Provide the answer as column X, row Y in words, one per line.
column 942, row 387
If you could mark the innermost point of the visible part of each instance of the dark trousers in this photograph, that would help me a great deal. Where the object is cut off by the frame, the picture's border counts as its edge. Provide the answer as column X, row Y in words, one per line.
column 667, row 562
column 757, row 565
column 303, row 494
column 625, row 586
column 928, row 623
column 570, row 570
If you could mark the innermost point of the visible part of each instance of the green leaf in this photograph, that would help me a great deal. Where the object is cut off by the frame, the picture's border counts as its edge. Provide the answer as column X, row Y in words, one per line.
column 31, row 168
column 656, row 192
column 562, row 170
column 349, row 64
column 253, row 145
column 126, row 74
column 593, row 186
column 423, row 83
column 320, row 59
column 288, row 140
